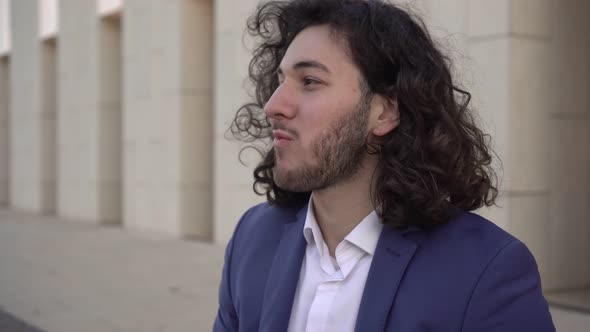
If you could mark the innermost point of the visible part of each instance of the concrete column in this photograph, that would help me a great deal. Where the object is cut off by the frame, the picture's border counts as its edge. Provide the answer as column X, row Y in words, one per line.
column 89, row 116
column 233, row 181
column 78, row 118
column 168, row 116
column 502, row 60
column 30, row 189
column 533, row 70
column 4, row 130
column 568, row 137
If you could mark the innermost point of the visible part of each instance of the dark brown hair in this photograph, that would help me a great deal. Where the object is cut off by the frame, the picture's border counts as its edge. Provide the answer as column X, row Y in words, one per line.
column 436, row 161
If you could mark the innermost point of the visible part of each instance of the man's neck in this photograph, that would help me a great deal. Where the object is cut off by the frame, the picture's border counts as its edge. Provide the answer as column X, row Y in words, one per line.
column 341, row 207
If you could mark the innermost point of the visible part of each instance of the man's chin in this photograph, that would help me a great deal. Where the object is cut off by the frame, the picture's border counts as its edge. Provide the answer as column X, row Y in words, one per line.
column 289, row 181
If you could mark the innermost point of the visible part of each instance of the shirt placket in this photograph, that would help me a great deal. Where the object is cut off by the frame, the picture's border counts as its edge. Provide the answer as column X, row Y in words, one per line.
column 321, row 306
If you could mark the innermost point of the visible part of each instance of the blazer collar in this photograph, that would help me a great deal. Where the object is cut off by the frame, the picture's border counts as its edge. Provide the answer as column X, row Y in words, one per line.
column 392, row 256
column 283, row 277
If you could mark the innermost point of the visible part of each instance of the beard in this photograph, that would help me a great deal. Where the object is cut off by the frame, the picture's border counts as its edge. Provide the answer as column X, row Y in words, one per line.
column 339, row 152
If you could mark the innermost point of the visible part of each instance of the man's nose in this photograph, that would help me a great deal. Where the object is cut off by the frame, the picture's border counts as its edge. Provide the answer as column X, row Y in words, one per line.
column 281, row 104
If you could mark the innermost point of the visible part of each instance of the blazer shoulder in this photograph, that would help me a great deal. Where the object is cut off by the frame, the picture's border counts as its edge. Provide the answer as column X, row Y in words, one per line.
column 264, row 219
column 476, row 231
column 468, row 240
column 262, row 213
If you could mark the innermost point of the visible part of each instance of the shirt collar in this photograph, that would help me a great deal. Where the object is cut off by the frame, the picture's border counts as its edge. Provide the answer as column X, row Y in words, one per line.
column 365, row 235
column 311, row 229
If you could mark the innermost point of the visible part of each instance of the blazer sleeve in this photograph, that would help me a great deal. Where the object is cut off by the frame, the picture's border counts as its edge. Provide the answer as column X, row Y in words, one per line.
column 508, row 296
column 227, row 319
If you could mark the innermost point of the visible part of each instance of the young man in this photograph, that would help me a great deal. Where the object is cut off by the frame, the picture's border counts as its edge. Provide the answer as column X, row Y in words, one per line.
column 372, row 166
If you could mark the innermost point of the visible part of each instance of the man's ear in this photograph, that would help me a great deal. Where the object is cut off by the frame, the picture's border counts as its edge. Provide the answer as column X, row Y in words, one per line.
column 385, row 117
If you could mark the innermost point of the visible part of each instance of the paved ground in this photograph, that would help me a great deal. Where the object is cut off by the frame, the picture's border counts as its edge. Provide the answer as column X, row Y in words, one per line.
column 69, row 277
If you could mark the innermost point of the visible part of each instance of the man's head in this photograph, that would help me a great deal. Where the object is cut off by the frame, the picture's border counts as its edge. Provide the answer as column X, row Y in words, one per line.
column 322, row 113
column 340, row 81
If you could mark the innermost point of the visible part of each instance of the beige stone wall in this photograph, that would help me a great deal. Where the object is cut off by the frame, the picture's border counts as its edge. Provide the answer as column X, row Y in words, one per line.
column 4, row 130
column 168, row 116
column 30, row 189
column 144, row 99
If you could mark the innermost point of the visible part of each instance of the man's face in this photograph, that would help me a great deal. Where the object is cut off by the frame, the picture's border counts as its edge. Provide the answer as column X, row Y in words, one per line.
column 318, row 114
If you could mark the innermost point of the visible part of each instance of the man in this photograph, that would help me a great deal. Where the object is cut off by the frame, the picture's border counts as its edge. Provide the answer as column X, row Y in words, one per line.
column 372, row 166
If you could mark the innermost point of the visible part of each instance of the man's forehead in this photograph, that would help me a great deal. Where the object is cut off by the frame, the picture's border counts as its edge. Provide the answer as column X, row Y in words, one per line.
column 315, row 47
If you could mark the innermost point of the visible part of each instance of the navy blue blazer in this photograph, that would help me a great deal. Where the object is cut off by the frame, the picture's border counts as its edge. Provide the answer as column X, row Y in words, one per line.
column 467, row 275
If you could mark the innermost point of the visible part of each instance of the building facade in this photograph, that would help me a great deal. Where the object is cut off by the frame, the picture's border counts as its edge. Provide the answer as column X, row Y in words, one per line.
column 116, row 112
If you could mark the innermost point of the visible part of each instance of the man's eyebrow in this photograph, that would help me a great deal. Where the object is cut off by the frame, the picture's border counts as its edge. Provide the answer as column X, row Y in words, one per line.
column 311, row 64
column 307, row 64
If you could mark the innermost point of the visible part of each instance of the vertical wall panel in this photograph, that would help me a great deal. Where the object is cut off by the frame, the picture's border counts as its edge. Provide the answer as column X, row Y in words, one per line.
column 89, row 114
column 48, row 143
column 110, row 117
column 26, row 191
column 568, row 134
column 4, row 130
column 167, row 116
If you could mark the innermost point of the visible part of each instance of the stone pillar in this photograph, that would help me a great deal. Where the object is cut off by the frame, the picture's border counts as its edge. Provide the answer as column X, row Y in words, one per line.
column 533, row 74
column 78, row 123
column 4, row 130
column 89, row 119
column 168, row 116
column 233, row 181
column 30, row 188
column 567, row 137
column 504, row 58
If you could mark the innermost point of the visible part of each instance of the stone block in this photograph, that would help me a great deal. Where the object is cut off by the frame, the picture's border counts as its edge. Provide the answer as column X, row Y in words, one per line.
column 196, row 210
column 532, row 18
column 569, row 213
column 570, row 64
column 530, row 97
column 110, row 202
column 491, row 95
column 530, row 223
column 196, row 140
column 488, row 19
column 499, row 214
column 447, row 21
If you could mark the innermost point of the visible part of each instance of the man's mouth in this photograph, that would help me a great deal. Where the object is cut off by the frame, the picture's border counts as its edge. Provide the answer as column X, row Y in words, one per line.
column 281, row 137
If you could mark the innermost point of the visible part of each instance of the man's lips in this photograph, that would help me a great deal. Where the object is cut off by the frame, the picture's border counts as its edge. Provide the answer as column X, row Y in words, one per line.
column 282, row 135
column 281, row 138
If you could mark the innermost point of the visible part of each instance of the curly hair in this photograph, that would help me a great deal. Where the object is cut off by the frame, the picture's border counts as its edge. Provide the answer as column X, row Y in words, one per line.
column 435, row 162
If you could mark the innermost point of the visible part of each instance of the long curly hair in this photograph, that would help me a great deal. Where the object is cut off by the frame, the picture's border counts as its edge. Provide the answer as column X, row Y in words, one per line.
column 435, row 162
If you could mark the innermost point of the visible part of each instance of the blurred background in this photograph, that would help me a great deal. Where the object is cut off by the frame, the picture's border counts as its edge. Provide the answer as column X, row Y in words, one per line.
column 119, row 188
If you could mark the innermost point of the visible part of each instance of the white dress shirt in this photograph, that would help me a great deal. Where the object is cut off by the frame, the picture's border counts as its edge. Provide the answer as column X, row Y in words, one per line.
column 330, row 288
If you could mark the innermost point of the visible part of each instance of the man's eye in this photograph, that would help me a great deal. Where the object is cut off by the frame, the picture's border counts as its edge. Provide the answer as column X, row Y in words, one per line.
column 309, row 81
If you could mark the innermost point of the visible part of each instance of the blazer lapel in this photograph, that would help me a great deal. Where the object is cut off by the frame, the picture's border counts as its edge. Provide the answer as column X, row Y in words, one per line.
column 392, row 255
column 283, row 277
